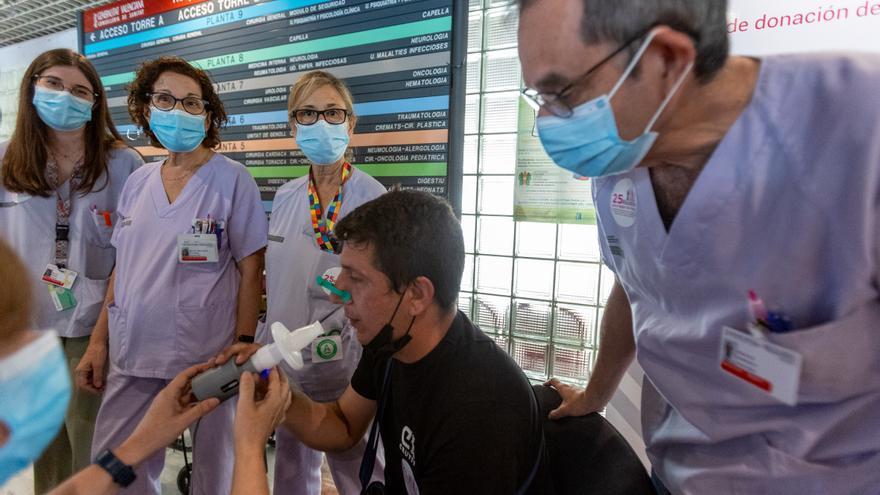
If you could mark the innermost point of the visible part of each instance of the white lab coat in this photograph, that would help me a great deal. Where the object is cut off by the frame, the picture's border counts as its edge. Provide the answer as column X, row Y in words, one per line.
column 28, row 224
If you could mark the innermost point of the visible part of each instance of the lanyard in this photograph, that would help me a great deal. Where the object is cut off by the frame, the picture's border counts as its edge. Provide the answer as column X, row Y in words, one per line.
column 324, row 227
column 369, row 459
column 63, row 207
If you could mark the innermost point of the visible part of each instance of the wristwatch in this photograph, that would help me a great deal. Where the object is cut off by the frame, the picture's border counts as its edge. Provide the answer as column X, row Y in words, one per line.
column 247, row 339
column 122, row 474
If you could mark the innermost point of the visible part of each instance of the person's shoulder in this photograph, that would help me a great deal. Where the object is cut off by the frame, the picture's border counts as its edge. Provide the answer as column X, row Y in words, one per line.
column 846, row 82
column 289, row 191
column 818, row 111
column 123, row 159
column 478, row 355
column 480, row 379
column 367, row 379
column 4, row 145
column 230, row 172
column 225, row 165
column 838, row 67
column 367, row 183
column 826, row 84
column 293, row 186
column 136, row 179
column 470, row 331
column 121, row 151
column 145, row 170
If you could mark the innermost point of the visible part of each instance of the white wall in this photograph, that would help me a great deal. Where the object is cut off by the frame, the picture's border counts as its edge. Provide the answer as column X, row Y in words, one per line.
column 840, row 33
column 15, row 59
column 846, row 28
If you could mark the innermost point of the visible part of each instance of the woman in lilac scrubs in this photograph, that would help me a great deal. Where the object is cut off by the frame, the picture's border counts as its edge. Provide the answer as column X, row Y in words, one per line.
column 301, row 249
column 190, row 242
column 62, row 175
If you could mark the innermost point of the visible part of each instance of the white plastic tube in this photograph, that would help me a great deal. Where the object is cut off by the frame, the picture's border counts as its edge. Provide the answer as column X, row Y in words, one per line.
column 287, row 346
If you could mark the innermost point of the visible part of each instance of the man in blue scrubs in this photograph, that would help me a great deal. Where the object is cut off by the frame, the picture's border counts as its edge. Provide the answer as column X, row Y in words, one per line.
column 738, row 204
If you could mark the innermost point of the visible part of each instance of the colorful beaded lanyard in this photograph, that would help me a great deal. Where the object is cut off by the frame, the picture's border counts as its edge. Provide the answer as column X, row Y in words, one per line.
column 324, row 227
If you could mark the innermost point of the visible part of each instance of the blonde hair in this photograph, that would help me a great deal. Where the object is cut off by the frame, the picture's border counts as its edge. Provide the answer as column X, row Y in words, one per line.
column 310, row 82
column 15, row 294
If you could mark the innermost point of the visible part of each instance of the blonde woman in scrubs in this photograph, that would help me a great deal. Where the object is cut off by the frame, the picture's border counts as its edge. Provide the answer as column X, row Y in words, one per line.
column 302, row 249
column 63, row 171
column 190, row 244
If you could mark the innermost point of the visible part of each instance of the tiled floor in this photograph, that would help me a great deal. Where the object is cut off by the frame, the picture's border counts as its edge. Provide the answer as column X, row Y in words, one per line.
column 24, row 482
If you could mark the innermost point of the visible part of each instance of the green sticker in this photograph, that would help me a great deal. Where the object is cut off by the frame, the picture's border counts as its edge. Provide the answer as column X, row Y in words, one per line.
column 61, row 297
column 327, row 349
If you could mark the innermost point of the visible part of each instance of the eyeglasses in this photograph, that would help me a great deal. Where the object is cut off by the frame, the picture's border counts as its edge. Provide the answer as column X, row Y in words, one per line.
column 555, row 102
column 56, row 84
column 333, row 116
column 192, row 104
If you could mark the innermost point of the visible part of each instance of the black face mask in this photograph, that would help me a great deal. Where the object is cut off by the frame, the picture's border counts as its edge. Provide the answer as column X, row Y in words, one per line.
column 382, row 346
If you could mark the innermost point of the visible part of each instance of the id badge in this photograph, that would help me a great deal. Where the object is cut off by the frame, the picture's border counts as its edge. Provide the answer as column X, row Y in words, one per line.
column 762, row 364
column 197, row 248
column 62, row 298
column 327, row 283
column 59, row 277
column 327, row 348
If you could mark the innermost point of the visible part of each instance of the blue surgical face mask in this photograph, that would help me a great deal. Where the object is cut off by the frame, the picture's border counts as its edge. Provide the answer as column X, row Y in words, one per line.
column 61, row 110
column 588, row 142
column 177, row 130
column 34, row 392
column 323, row 143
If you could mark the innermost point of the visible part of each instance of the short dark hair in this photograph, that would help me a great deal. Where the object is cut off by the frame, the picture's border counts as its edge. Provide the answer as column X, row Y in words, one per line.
column 413, row 234
column 620, row 21
column 143, row 82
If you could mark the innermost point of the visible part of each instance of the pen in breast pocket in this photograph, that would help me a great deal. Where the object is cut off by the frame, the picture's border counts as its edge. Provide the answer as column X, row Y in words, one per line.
column 757, row 309
column 774, row 321
column 778, row 322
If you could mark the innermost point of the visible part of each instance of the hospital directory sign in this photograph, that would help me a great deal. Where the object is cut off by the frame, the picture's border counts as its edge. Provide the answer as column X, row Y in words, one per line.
column 397, row 56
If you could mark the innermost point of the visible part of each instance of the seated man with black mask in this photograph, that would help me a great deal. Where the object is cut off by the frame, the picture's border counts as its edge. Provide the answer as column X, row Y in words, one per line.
column 455, row 413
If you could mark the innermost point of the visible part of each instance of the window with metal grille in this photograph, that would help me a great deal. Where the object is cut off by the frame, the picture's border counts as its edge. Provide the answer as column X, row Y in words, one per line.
column 538, row 289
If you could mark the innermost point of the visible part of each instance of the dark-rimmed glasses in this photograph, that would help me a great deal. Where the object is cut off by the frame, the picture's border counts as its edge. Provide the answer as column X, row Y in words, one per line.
column 308, row 116
column 193, row 105
column 555, row 102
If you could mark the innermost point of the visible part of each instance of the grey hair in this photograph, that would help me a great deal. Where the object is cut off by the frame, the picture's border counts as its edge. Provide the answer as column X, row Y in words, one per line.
column 619, row 21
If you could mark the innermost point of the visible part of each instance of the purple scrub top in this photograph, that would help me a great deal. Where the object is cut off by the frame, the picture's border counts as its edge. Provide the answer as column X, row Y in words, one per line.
column 168, row 315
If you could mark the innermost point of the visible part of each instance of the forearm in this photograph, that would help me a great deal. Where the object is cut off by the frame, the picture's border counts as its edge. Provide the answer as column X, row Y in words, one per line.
column 321, row 426
column 248, row 309
column 249, row 473
column 101, row 330
column 92, row 480
column 95, row 480
column 616, row 346
column 249, row 295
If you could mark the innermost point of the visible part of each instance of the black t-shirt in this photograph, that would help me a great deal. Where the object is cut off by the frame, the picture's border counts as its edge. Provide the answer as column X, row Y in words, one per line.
column 463, row 419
